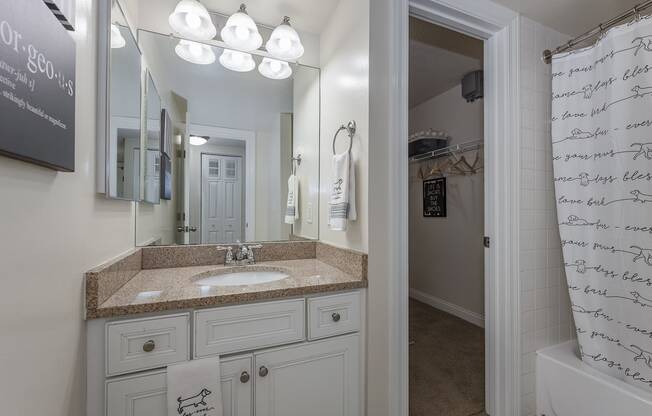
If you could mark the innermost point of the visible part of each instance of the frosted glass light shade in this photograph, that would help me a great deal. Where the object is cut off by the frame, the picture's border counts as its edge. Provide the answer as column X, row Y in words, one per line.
column 284, row 43
column 240, row 32
column 191, row 20
column 195, row 52
column 117, row 40
column 197, row 140
column 237, row 61
column 274, row 69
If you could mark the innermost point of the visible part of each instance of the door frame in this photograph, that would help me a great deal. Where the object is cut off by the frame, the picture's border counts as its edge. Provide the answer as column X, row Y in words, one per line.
column 201, row 193
column 249, row 137
column 388, row 251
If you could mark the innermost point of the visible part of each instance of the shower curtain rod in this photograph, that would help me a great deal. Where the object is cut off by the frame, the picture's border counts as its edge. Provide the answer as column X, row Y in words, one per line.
column 547, row 54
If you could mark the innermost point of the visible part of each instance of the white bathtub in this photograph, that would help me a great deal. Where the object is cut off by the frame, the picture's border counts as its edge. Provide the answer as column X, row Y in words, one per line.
column 568, row 387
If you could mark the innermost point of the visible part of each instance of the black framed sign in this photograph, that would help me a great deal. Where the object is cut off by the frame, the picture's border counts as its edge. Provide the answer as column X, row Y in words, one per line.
column 434, row 197
column 37, row 86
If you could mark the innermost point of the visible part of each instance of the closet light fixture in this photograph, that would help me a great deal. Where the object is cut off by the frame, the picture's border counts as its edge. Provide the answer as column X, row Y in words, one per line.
column 117, row 40
column 240, row 31
column 284, row 43
column 237, row 61
column 195, row 52
column 274, row 69
column 191, row 20
column 197, row 140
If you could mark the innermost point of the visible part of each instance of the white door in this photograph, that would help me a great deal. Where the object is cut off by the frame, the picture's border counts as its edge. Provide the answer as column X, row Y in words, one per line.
column 146, row 394
column 221, row 199
column 320, row 378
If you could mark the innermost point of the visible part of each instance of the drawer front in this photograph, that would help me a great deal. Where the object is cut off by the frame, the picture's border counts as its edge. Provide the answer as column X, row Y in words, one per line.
column 146, row 394
column 142, row 344
column 247, row 327
column 333, row 315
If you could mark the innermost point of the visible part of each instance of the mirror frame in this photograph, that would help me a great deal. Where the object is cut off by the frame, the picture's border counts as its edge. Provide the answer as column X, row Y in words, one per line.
column 103, row 115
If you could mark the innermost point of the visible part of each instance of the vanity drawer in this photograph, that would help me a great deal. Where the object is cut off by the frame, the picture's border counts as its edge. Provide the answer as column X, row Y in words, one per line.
column 333, row 315
column 232, row 329
column 141, row 344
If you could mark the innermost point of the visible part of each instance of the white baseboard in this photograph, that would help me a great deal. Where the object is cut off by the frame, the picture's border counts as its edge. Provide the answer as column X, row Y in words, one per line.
column 469, row 316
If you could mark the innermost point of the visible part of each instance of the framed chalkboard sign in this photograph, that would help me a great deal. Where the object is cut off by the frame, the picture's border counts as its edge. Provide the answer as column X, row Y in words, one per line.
column 37, row 86
column 434, row 198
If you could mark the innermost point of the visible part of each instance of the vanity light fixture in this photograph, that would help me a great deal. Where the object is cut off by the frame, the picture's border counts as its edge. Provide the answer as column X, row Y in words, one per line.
column 197, row 140
column 274, row 69
column 117, row 40
column 195, row 52
column 191, row 20
column 240, row 31
column 284, row 43
column 237, row 61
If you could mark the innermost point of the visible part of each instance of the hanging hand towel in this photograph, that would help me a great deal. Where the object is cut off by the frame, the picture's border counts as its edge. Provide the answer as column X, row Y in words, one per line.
column 292, row 210
column 341, row 205
column 194, row 388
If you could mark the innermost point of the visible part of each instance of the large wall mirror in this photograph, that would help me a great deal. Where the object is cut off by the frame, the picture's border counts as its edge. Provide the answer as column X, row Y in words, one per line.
column 119, row 120
column 221, row 133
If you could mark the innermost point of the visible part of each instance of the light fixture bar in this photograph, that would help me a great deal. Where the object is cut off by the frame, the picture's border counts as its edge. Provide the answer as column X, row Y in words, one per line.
column 219, row 44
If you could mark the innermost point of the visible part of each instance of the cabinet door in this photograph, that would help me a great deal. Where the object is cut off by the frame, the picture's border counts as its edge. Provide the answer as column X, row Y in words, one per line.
column 318, row 379
column 145, row 394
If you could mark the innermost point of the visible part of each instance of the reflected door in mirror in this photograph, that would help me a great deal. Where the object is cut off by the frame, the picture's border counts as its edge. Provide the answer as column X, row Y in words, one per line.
column 221, row 195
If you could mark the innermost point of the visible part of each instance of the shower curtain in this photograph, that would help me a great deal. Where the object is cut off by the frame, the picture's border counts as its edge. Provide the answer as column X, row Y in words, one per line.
column 602, row 160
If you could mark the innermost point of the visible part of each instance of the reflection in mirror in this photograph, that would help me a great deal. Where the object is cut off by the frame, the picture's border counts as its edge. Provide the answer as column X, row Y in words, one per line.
column 124, row 118
column 239, row 132
column 152, row 171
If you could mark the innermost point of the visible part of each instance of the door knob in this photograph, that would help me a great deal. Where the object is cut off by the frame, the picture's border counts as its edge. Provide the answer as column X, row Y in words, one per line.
column 263, row 371
column 336, row 317
column 244, row 377
column 180, row 229
column 149, row 346
column 193, row 229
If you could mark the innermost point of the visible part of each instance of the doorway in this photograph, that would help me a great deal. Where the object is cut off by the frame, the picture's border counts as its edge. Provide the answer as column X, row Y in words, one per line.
column 221, row 199
column 446, row 222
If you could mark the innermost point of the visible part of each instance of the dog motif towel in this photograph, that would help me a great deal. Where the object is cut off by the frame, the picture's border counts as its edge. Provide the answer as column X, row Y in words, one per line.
column 292, row 210
column 341, row 204
column 194, row 388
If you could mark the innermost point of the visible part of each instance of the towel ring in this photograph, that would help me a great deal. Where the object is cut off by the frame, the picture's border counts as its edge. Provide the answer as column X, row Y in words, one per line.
column 350, row 128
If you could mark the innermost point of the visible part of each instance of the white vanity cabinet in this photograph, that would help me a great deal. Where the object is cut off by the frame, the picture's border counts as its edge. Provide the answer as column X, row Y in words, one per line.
column 320, row 378
column 295, row 357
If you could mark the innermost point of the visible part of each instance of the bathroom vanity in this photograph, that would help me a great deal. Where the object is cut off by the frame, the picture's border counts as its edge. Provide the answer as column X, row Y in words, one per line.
column 292, row 346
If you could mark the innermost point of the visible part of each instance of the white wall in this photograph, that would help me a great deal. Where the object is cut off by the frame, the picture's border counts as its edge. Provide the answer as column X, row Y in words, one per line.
column 545, row 305
column 450, row 112
column 54, row 228
column 344, row 58
column 446, row 254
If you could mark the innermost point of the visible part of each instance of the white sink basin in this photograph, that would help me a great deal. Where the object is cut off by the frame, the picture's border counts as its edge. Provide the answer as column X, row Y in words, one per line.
column 244, row 277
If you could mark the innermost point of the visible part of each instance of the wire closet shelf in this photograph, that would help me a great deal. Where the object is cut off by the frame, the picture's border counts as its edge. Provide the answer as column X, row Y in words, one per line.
column 449, row 151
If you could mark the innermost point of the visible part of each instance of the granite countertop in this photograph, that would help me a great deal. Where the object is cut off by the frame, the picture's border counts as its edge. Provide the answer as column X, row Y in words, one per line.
column 156, row 290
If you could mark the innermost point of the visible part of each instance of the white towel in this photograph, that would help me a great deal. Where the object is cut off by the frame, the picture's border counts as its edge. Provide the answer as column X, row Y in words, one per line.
column 194, row 388
column 292, row 210
column 341, row 205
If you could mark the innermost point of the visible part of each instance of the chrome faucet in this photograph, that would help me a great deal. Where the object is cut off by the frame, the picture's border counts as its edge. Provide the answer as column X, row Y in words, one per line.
column 244, row 254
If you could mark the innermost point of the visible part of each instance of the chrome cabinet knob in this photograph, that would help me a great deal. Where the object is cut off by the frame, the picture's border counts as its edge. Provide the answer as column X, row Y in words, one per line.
column 193, row 229
column 263, row 371
column 244, row 377
column 149, row 346
column 181, row 229
column 336, row 317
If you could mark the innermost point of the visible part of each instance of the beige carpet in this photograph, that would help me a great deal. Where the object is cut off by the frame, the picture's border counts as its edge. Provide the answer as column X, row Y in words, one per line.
column 446, row 364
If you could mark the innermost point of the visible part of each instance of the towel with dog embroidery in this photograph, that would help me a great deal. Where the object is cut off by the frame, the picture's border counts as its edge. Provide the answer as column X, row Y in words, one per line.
column 292, row 209
column 341, row 204
column 194, row 388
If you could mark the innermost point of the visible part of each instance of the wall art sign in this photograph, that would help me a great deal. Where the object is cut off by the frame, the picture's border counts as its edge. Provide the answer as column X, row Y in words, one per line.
column 434, row 197
column 37, row 86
